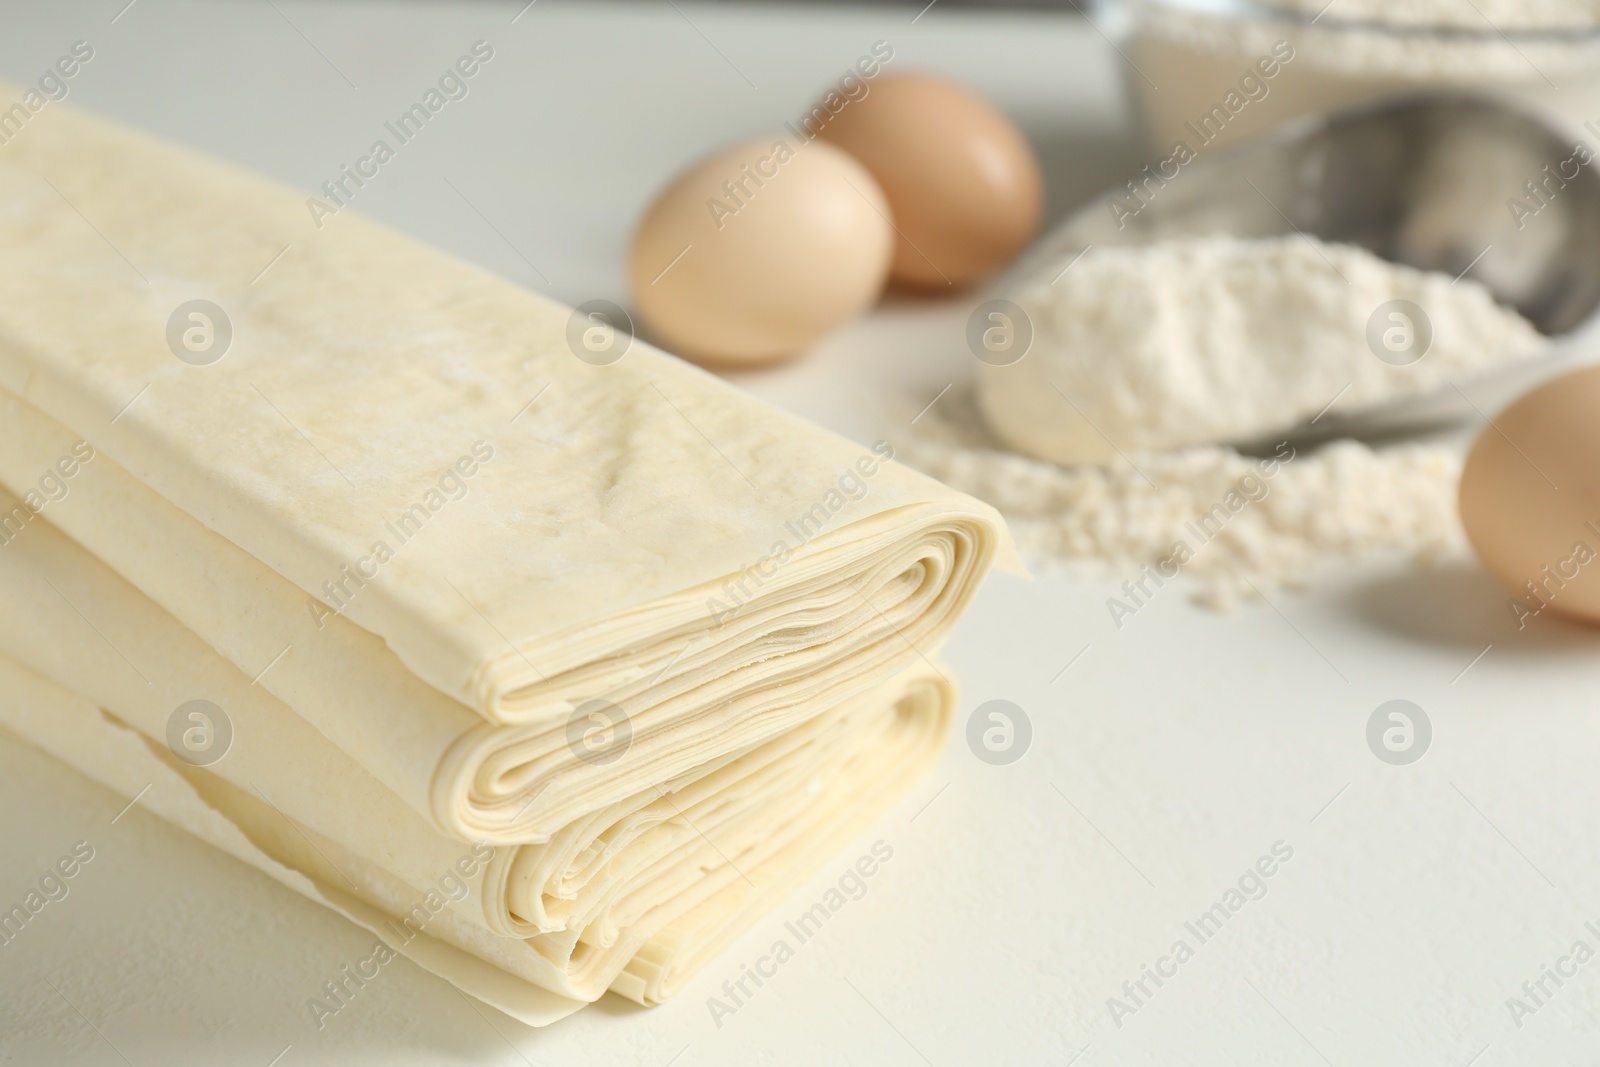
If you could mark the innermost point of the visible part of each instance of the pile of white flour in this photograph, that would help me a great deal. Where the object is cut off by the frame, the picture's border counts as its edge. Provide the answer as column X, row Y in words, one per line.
column 1243, row 521
column 1101, row 446
column 1163, row 346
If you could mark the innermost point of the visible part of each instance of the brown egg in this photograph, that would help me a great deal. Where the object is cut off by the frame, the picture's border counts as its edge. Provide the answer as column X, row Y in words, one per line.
column 1530, row 499
column 753, row 253
column 964, row 187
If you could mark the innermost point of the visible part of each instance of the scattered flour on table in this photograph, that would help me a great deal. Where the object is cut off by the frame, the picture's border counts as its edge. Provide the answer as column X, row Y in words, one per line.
column 1239, row 525
column 1186, row 342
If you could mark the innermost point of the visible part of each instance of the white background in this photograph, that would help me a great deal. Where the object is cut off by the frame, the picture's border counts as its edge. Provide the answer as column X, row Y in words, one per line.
column 1167, row 759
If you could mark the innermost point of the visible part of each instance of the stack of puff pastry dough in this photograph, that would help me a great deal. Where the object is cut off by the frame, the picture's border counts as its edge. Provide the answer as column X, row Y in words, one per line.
column 553, row 672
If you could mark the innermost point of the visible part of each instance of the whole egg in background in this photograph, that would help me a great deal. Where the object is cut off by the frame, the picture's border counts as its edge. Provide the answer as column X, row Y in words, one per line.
column 1530, row 497
column 753, row 253
column 964, row 187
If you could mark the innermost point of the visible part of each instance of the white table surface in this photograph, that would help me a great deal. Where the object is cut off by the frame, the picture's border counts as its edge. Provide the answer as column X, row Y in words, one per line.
column 1170, row 756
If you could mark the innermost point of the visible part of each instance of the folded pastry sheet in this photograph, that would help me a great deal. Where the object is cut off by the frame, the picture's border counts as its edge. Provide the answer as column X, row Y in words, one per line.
column 541, row 978
column 403, row 504
column 631, row 897
column 413, row 542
